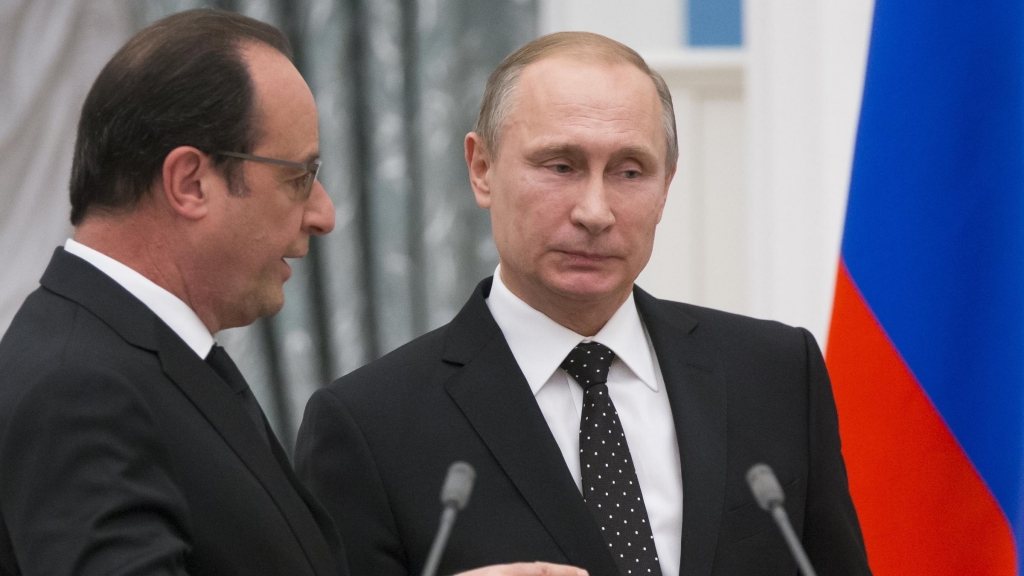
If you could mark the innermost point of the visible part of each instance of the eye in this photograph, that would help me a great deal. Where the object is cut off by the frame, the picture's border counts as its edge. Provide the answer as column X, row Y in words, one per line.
column 301, row 185
column 561, row 168
column 631, row 174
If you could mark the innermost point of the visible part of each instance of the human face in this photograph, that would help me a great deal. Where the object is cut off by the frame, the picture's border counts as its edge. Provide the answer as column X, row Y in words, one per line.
column 578, row 183
column 274, row 218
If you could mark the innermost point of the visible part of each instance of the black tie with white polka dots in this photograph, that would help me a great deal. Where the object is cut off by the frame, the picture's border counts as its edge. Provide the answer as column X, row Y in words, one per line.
column 610, row 487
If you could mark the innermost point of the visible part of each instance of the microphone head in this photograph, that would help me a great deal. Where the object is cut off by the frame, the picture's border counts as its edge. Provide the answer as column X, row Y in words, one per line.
column 765, row 486
column 458, row 485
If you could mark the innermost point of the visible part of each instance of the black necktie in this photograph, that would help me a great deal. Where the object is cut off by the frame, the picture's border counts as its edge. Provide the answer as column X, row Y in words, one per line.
column 225, row 367
column 610, row 487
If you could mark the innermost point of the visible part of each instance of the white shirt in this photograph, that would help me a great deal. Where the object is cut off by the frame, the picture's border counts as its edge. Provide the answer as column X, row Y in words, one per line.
column 636, row 387
column 168, row 307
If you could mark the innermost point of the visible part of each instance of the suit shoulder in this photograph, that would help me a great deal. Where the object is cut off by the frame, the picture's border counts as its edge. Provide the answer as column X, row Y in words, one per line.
column 721, row 318
column 43, row 321
column 406, row 366
column 51, row 324
column 730, row 329
column 37, row 342
column 92, row 400
column 54, row 343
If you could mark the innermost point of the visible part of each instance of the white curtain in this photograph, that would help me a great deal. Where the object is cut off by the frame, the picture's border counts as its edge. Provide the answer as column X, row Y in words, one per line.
column 50, row 53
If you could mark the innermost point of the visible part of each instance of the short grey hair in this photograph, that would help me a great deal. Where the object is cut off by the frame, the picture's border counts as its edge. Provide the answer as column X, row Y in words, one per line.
column 500, row 93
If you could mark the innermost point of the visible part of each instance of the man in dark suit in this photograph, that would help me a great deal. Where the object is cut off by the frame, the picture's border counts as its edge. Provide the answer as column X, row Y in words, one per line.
column 609, row 429
column 129, row 441
column 121, row 450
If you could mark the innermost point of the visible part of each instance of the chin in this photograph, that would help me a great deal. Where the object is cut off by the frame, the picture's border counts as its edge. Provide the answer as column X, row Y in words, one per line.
column 267, row 303
column 273, row 307
column 589, row 285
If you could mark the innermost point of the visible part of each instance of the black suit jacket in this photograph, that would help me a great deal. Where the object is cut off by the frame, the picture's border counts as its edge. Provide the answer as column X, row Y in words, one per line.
column 374, row 447
column 122, row 452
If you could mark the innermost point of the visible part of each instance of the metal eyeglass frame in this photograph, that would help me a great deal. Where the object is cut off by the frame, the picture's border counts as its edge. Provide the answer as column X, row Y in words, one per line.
column 312, row 168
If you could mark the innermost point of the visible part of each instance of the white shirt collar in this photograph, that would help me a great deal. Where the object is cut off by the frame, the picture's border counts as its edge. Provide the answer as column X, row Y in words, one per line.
column 168, row 307
column 540, row 344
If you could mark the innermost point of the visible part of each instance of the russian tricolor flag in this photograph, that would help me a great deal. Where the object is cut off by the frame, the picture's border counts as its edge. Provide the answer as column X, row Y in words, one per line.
column 926, row 348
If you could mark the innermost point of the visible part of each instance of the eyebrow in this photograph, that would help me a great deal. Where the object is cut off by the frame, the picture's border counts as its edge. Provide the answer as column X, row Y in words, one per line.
column 641, row 154
column 310, row 158
column 573, row 150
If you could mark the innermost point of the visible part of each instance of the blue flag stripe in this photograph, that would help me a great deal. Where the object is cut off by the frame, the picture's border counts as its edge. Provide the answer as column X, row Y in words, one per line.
column 934, row 233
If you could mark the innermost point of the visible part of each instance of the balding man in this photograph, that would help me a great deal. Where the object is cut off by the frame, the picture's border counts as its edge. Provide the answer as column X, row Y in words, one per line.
column 129, row 441
column 609, row 429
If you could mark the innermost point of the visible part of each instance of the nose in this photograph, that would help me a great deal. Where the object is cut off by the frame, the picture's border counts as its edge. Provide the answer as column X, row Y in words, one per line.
column 319, row 216
column 592, row 210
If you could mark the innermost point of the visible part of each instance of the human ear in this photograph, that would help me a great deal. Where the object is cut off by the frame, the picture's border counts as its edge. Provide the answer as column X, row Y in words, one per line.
column 664, row 193
column 186, row 178
column 478, row 161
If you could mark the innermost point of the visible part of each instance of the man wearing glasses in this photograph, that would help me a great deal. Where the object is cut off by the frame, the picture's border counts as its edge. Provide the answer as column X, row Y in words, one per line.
column 129, row 441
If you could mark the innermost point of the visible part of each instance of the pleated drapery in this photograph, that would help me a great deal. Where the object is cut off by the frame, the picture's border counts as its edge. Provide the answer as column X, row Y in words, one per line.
column 398, row 83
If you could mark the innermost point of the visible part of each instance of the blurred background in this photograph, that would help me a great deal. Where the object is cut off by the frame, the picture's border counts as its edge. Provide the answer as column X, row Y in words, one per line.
column 767, row 94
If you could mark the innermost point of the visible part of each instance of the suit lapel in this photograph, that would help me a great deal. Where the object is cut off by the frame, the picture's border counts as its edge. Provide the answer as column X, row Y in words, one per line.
column 225, row 413
column 496, row 399
column 77, row 280
column 320, row 514
column 697, row 393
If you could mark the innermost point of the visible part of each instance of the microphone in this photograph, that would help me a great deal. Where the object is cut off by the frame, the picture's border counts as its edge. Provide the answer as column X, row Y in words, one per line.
column 770, row 497
column 458, row 485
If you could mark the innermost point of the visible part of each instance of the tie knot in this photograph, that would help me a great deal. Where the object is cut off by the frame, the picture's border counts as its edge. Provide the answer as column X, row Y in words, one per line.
column 225, row 367
column 588, row 363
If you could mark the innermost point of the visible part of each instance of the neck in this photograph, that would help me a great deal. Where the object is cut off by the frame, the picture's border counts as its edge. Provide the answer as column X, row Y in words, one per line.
column 584, row 315
column 136, row 241
column 583, row 318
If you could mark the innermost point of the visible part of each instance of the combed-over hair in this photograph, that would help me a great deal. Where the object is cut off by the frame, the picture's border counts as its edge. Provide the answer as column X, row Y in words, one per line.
column 182, row 81
column 500, row 93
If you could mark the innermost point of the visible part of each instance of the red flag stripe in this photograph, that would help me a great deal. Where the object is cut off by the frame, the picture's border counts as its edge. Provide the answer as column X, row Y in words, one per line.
column 922, row 506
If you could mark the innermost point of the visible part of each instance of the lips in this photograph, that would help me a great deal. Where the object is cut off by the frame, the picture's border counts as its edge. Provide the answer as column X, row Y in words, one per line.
column 581, row 257
column 581, row 254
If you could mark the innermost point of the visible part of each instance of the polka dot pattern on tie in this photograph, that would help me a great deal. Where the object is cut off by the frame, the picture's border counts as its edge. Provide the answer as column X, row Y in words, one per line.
column 610, row 486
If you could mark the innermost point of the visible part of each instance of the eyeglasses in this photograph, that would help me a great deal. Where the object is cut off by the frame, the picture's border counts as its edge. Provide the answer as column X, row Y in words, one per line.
column 311, row 168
